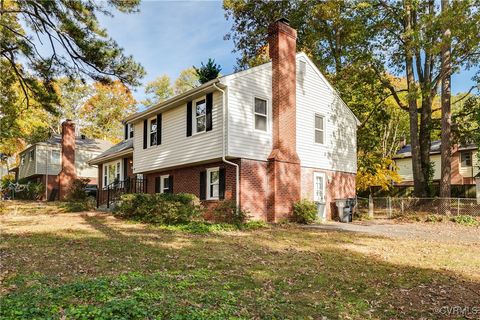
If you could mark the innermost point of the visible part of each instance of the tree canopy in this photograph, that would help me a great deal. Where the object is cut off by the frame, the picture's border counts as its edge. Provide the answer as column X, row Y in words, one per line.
column 208, row 71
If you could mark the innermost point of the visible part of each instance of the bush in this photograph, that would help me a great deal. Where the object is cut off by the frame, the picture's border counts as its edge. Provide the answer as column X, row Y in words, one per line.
column 226, row 212
column 30, row 191
column 78, row 206
column 159, row 208
column 304, row 211
column 77, row 190
column 2, row 207
column 465, row 220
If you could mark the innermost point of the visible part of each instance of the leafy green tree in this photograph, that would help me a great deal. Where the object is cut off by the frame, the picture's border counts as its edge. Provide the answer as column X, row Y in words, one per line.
column 104, row 111
column 187, row 79
column 159, row 90
column 44, row 40
column 358, row 44
column 208, row 71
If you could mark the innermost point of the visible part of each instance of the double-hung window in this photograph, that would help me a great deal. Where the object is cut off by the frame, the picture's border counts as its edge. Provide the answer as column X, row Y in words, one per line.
column 153, row 132
column 261, row 114
column 466, row 159
column 200, row 124
column 213, row 183
column 22, row 159
column 32, row 155
column 319, row 129
column 165, row 184
column 130, row 130
column 55, row 157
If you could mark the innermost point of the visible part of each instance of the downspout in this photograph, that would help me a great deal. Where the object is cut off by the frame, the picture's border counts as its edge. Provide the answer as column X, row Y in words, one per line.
column 237, row 168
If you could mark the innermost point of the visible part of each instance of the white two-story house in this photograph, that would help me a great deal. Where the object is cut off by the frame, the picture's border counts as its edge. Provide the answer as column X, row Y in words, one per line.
column 263, row 137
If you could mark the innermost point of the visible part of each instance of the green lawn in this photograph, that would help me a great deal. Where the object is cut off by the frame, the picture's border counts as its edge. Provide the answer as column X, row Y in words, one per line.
column 93, row 266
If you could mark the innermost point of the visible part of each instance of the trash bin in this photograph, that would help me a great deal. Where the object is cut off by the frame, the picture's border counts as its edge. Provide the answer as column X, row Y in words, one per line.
column 341, row 204
column 321, row 214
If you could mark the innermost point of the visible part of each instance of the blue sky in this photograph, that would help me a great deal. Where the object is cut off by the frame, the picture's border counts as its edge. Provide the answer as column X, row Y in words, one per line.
column 169, row 36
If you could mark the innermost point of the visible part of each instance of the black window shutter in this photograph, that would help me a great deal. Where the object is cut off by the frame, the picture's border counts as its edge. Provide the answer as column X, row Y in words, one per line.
column 157, row 184
column 209, row 111
column 203, row 185
column 159, row 129
column 145, row 130
column 221, row 183
column 126, row 131
column 189, row 118
column 170, row 184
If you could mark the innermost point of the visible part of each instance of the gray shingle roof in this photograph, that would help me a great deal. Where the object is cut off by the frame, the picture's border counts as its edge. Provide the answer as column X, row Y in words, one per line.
column 87, row 143
column 435, row 147
column 119, row 147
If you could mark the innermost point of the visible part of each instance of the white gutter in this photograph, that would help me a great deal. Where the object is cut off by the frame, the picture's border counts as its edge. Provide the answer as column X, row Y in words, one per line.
column 237, row 168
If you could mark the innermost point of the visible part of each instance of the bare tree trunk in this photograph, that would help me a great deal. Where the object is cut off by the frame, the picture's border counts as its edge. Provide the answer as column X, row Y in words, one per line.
column 446, row 165
column 418, row 177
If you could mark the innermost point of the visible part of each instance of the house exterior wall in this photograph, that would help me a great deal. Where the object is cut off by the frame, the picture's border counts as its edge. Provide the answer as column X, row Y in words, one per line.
column 314, row 95
column 28, row 168
column 460, row 175
column 187, row 180
column 176, row 148
column 338, row 185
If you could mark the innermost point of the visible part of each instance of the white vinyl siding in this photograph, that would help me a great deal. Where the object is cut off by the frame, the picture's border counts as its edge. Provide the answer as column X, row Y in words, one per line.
column 315, row 97
column 176, row 148
column 243, row 140
column 27, row 165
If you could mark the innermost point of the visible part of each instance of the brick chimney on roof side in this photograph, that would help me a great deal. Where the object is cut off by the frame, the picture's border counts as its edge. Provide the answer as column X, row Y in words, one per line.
column 68, row 172
column 284, row 164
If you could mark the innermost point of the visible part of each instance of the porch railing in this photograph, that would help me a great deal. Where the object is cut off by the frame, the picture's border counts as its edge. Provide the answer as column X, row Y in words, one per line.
column 112, row 192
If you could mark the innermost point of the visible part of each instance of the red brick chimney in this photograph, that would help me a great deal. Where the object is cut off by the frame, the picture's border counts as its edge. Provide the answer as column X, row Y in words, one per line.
column 284, row 164
column 68, row 172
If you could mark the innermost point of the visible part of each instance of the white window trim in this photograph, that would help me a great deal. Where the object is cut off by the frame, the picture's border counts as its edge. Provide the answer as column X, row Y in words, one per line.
column 105, row 171
column 471, row 159
column 149, row 138
column 59, row 157
column 194, row 116
column 315, row 129
column 268, row 115
column 209, row 170
column 130, row 129
column 162, row 184
column 315, row 175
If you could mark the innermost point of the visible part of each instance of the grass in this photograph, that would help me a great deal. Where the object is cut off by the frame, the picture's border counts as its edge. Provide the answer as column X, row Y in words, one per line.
column 93, row 266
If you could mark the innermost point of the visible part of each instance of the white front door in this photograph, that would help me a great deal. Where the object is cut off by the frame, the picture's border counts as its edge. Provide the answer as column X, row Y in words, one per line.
column 319, row 193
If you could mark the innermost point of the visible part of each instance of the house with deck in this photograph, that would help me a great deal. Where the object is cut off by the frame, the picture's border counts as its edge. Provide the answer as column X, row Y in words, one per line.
column 60, row 159
column 465, row 167
column 264, row 137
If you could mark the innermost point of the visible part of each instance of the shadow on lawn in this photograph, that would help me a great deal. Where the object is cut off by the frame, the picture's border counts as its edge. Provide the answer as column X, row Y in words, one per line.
column 145, row 272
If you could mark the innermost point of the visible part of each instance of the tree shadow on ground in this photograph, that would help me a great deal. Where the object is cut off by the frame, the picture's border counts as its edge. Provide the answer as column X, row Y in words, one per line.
column 276, row 273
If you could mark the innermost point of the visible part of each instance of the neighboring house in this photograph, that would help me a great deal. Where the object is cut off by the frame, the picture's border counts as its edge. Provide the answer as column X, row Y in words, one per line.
column 263, row 137
column 60, row 158
column 464, row 164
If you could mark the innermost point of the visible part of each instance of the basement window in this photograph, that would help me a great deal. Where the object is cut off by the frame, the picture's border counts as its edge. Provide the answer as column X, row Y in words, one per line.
column 261, row 114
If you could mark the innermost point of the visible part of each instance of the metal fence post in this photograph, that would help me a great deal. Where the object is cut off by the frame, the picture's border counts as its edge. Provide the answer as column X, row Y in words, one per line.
column 389, row 204
column 402, row 206
column 370, row 206
column 458, row 206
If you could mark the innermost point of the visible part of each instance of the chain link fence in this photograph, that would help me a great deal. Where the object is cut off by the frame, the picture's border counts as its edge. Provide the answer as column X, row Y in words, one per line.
column 390, row 207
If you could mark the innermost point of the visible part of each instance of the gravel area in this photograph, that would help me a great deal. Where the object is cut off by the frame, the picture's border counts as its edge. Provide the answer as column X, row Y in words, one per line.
column 441, row 232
